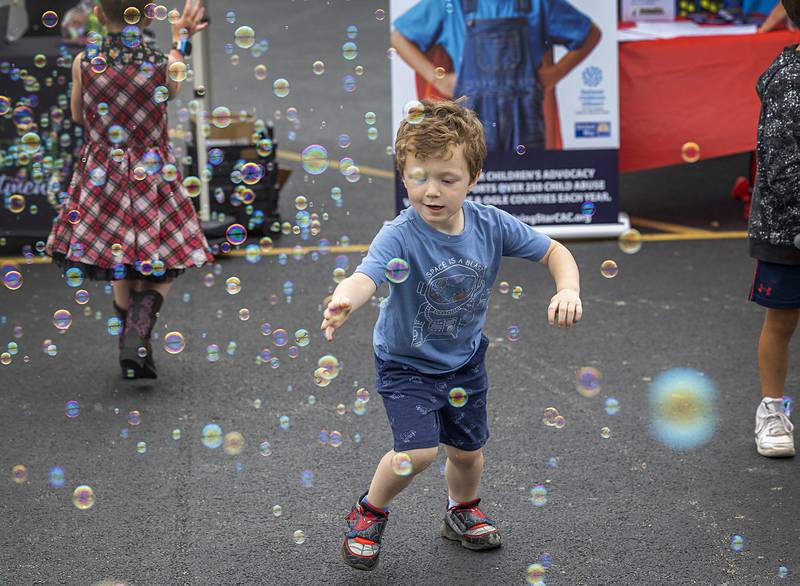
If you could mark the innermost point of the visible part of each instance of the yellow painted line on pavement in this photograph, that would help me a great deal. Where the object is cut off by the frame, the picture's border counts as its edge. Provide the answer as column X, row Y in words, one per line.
column 699, row 235
column 353, row 248
column 666, row 226
column 363, row 169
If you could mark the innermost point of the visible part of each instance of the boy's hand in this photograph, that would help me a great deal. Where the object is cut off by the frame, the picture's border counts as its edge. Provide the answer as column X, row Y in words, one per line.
column 566, row 307
column 335, row 315
column 549, row 76
column 446, row 85
column 191, row 19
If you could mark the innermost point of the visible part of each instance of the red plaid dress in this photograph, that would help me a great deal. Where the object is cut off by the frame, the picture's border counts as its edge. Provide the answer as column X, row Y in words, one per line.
column 128, row 214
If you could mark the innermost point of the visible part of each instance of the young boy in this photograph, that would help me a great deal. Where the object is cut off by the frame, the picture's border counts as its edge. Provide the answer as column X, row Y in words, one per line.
column 440, row 257
column 774, row 235
column 501, row 53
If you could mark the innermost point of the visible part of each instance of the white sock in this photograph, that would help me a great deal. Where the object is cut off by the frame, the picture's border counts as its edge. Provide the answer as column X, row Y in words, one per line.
column 776, row 403
column 451, row 503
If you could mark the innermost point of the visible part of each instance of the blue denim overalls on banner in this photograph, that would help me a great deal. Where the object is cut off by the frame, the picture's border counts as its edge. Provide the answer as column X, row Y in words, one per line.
column 498, row 76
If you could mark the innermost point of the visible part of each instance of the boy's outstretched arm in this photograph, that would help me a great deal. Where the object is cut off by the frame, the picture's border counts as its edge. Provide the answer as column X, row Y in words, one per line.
column 349, row 295
column 417, row 60
column 550, row 75
column 565, row 306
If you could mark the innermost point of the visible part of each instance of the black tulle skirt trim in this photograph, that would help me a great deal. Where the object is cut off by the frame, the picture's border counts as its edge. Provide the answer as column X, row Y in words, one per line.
column 118, row 273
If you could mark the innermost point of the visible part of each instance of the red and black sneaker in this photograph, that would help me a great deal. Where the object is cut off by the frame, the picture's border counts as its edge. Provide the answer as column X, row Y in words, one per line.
column 362, row 543
column 468, row 524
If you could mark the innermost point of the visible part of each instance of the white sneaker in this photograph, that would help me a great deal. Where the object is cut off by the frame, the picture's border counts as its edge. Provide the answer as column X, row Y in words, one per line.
column 774, row 437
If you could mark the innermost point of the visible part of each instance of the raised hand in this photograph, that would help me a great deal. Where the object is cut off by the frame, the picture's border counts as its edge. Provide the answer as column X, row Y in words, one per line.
column 335, row 315
column 190, row 19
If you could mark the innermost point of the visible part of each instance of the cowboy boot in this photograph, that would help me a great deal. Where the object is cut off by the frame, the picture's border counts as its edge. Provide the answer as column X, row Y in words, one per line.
column 136, row 352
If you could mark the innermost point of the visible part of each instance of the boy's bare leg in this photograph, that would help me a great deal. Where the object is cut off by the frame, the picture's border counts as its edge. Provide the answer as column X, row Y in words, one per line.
column 386, row 484
column 773, row 350
column 463, row 472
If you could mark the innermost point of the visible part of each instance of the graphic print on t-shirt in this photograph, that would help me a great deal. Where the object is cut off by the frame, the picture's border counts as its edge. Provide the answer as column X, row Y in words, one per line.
column 453, row 295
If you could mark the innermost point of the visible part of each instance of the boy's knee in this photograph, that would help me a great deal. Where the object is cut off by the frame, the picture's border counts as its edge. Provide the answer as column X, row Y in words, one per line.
column 463, row 457
column 782, row 321
column 422, row 458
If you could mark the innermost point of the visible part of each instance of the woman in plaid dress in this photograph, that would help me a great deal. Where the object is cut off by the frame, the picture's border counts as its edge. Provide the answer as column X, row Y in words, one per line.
column 127, row 217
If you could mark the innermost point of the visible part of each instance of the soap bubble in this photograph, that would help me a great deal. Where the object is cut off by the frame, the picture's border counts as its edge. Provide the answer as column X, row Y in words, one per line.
column 315, row 159
column 280, row 88
column 174, row 343
column 588, row 381
column 318, row 67
column 401, row 464
column 132, row 15
column 539, row 495
column 62, row 319
column 630, row 241
column 682, row 408
column 221, row 117
column 609, row 269
column 236, row 234
column 414, row 112
column 244, row 37
column 83, row 497
column 50, row 19
column 12, row 280
column 397, row 270
column 349, row 50
column 211, row 436
column 177, row 71
column 457, row 397
column 690, row 152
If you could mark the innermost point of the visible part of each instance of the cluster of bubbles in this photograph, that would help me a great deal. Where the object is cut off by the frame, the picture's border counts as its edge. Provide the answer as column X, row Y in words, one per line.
column 328, row 368
column 552, row 418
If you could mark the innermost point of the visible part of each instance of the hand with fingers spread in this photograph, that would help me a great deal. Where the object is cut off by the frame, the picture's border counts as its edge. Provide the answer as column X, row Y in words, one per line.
column 565, row 308
column 335, row 315
column 191, row 19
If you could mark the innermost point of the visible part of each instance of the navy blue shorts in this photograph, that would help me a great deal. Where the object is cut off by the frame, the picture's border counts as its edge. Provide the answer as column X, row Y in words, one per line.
column 424, row 413
column 776, row 286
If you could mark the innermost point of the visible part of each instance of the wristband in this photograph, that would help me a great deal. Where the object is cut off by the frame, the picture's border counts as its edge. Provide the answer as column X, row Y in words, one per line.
column 183, row 47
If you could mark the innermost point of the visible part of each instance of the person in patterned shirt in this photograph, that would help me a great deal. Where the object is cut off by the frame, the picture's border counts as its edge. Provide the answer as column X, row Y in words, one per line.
column 126, row 217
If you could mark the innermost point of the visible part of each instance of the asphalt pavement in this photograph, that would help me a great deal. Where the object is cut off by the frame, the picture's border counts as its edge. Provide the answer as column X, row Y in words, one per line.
column 622, row 509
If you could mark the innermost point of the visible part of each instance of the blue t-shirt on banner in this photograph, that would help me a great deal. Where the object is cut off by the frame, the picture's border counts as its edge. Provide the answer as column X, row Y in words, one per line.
column 432, row 321
column 760, row 6
column 443, row 22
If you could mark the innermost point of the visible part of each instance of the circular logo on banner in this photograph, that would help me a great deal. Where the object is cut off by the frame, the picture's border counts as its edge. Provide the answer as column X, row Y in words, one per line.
column 592, row 76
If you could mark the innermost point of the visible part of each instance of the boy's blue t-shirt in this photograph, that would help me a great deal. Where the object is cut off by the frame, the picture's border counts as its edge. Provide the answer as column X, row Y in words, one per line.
column 432, row 321
column 552, row 22
column 760, row 6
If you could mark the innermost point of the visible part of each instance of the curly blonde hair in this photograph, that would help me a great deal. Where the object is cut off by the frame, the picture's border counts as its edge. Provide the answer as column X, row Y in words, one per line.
column 444, row 123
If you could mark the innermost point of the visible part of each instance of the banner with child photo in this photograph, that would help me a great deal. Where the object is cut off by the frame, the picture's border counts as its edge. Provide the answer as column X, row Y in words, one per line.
column 542, row 77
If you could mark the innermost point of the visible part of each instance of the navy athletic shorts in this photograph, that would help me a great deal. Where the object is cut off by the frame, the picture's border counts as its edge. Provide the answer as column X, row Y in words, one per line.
column 776, row 286
column 425, row 410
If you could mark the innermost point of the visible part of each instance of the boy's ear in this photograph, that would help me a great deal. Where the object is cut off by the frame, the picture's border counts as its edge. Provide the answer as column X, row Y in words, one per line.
column 475, row 180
